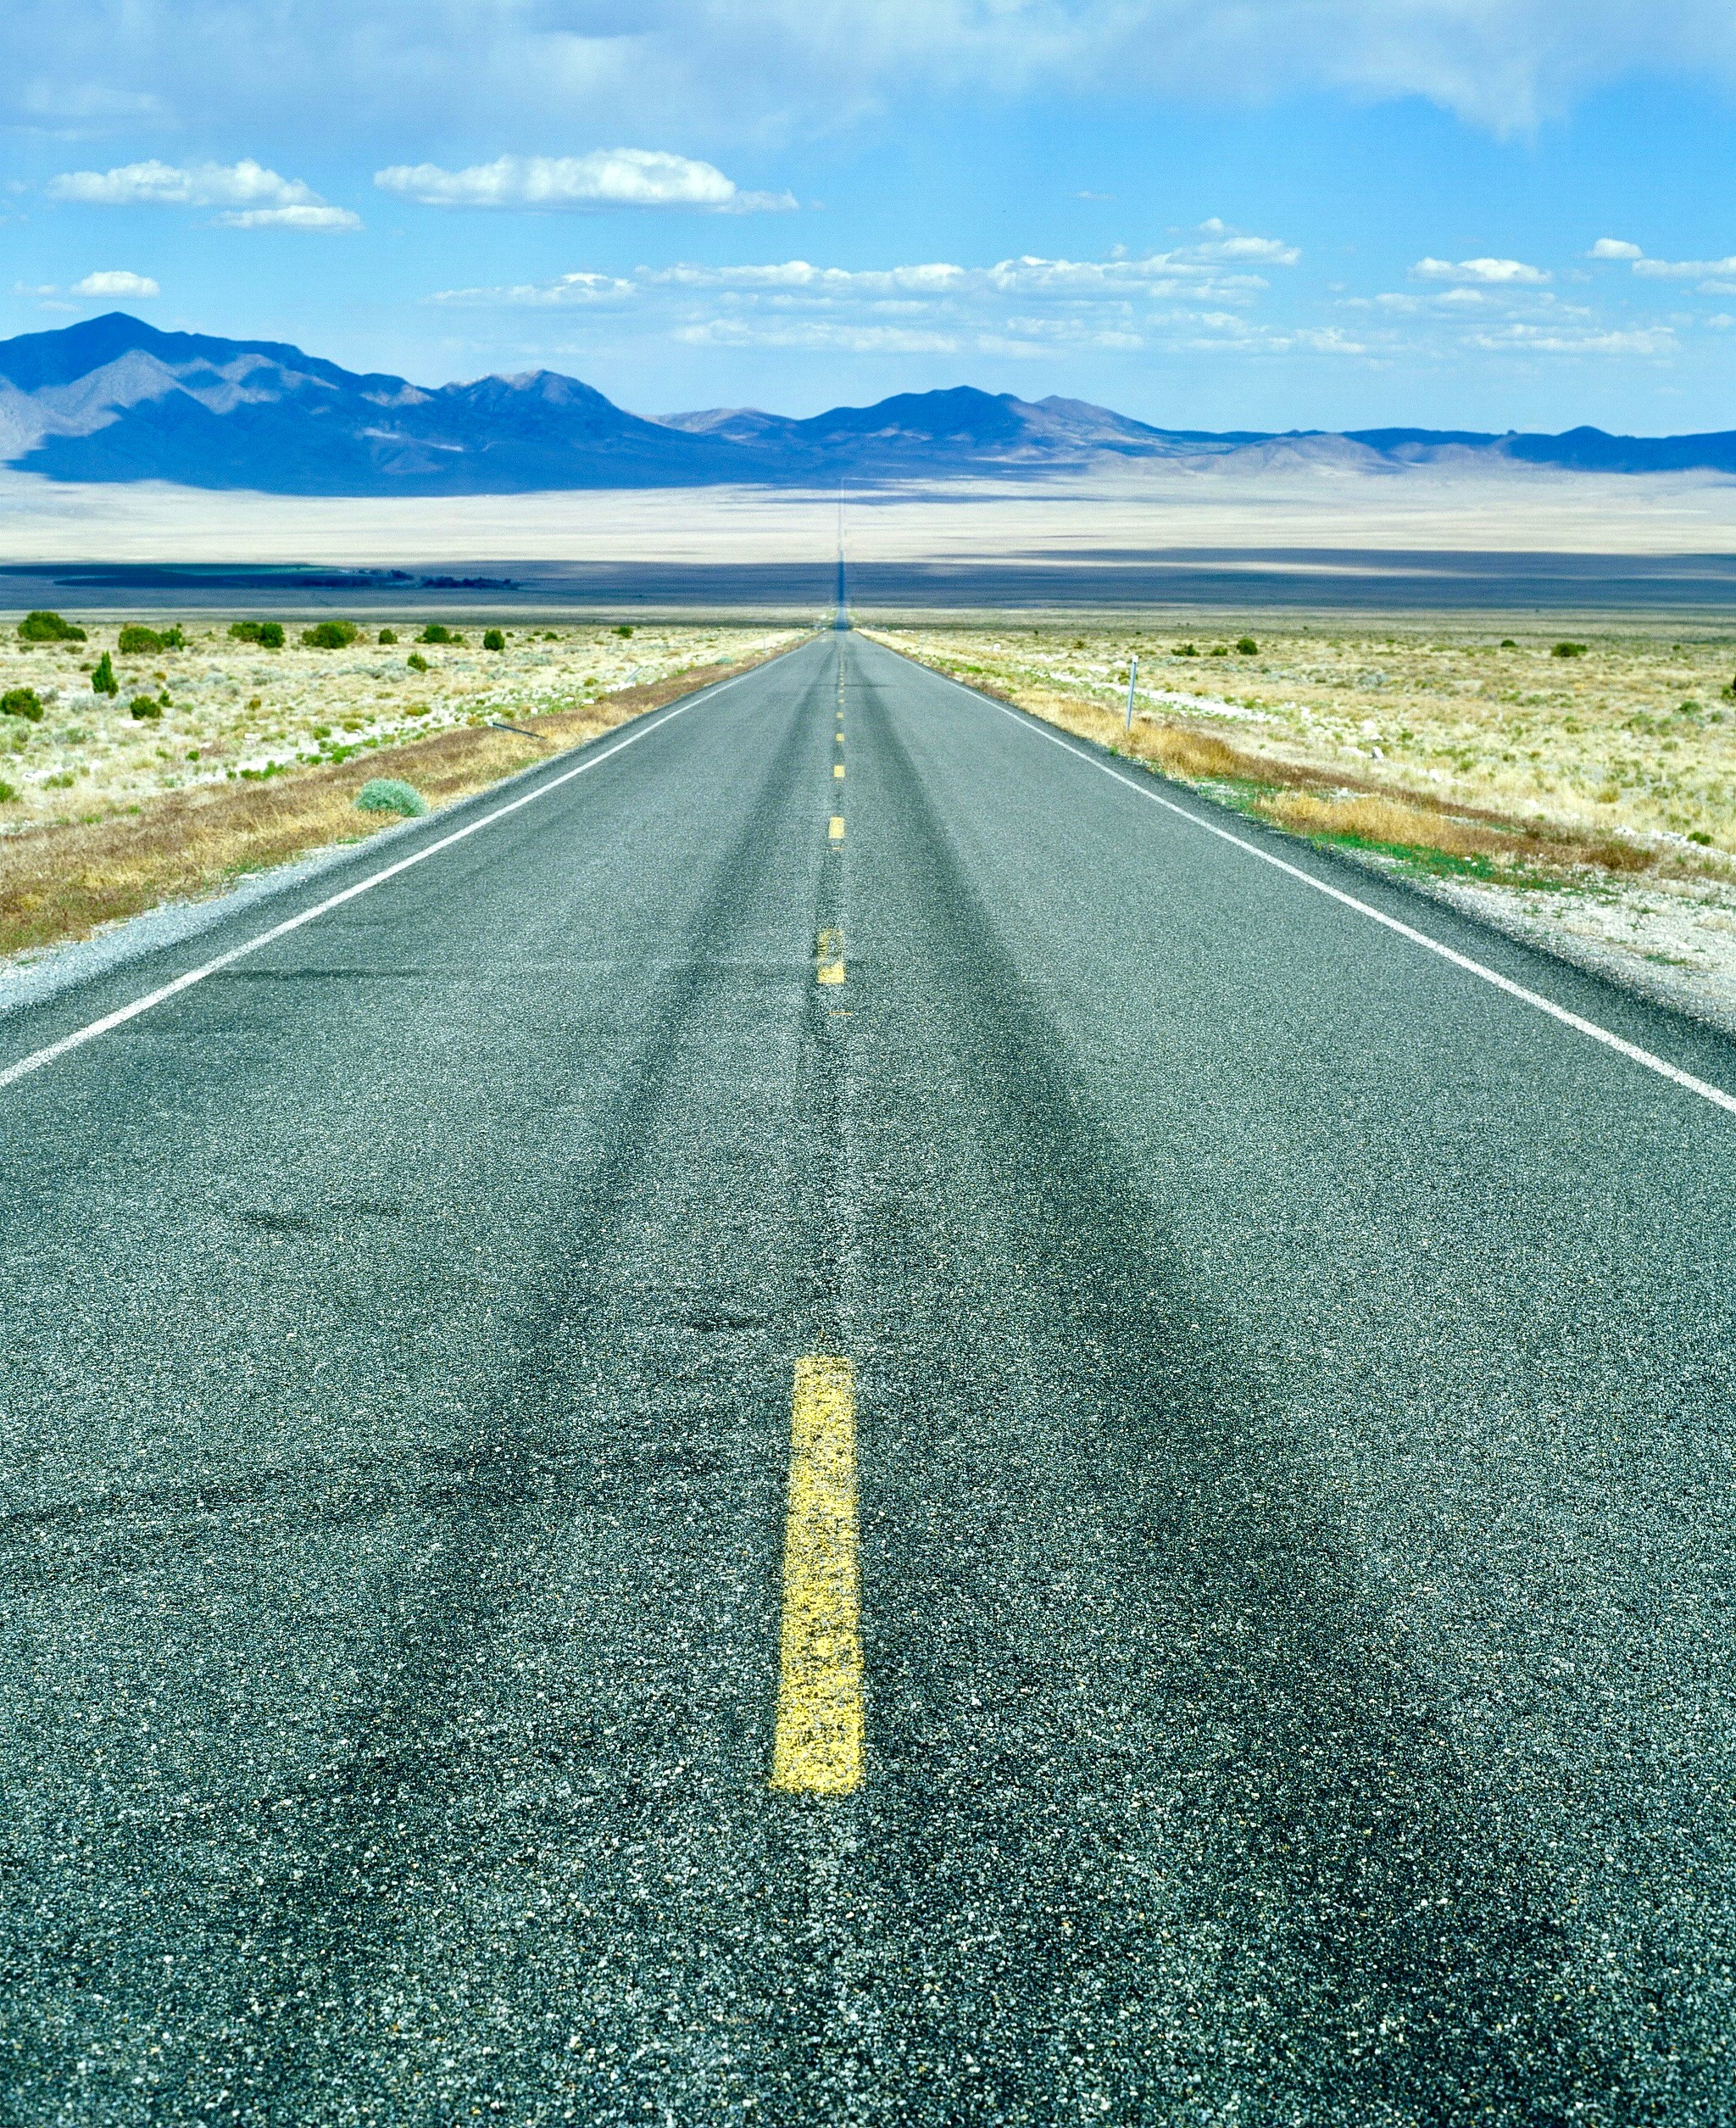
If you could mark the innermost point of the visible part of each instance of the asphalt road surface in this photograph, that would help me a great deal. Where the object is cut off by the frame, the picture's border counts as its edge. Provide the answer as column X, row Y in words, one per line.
column 1285, row 1380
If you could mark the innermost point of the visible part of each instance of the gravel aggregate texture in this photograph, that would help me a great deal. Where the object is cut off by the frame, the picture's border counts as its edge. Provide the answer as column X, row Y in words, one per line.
column 1293, row 1387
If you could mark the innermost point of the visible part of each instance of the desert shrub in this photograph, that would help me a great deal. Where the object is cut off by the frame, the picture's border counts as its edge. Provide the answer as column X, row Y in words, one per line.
column 245, row 630
column 1508, row 643
column 622, row 629
column 21, row 702
column 493, row 639
column 271, row 635
column 145, row 707
column 416, row 661
column 43, row 626
column 417, row 708
column 1247, row 647
column 103, row 680
column 1568, row 650
column 327, row 635
column 389, row 635
column 133, row 641
column 435, row 632
column 1184, row 650
column 387, row 795
column 7, row 792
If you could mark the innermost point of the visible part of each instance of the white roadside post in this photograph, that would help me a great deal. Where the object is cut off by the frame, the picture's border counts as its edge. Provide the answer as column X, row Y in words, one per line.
column 1133, row 681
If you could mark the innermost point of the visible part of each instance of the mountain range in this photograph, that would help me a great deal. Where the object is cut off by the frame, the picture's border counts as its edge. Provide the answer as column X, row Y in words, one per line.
column 113, row 398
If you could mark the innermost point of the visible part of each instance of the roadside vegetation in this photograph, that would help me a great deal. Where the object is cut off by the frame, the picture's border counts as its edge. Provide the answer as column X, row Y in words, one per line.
column 235, row 747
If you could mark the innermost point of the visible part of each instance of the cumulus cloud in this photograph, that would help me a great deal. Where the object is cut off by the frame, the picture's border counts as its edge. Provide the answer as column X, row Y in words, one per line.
column 139, row 286
column 1614, row 248
column 1016, row 307
column 1682, row 268
column 1506, row 273
column 607, row 177
column 255, row 198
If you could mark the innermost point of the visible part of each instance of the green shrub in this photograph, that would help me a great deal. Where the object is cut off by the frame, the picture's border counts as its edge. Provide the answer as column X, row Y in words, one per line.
column 43, row 626
column 1184, row 650
column 145, row 707
column 270, row 636
column 245, row 630
column 21, row 702
column 134, row 641
column 389, row 635
column 325, row 635
column 7, row 792
column 385, row 794
column 103, row 680
column 434, row 633
column 1568, row 650
column 493, row 639
column 416, row 661
column 622, row 629
column 1508, row 643
column 1247, row 647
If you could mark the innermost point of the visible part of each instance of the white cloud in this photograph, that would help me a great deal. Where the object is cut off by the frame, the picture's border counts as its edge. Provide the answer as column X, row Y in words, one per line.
column 1518, row 338
column 1614, row 248
column 138, row 286
column 1486, row 272
column 331, row 218
column 243, row 184
column 255, row 198
column 1682, row 268
column 607, row 177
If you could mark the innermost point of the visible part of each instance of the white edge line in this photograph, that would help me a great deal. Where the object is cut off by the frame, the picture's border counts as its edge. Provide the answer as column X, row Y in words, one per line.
column 1632, row 1050
column 80, row 1036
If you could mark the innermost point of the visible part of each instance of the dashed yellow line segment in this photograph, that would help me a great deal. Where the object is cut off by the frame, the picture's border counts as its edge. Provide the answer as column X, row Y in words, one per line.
column 837, row 829
column 817, row 1750
column 829, row 957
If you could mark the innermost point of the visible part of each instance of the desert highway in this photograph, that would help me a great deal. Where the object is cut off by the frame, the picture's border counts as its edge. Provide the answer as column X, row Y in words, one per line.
column 913, row 1445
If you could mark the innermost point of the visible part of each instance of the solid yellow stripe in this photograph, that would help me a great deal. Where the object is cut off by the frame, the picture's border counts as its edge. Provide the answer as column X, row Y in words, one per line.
column 818, row 1747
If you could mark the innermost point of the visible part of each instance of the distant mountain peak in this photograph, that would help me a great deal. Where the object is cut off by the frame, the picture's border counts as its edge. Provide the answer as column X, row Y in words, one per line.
column 115, row 398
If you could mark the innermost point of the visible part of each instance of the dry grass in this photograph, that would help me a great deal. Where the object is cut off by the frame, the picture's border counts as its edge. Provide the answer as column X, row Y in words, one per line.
column 63, row 880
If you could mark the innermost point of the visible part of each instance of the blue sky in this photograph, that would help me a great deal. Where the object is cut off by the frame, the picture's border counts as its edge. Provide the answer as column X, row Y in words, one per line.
column 1291, row 213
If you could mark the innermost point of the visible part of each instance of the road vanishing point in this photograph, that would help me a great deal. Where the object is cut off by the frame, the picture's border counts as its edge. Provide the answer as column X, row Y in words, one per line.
column 838, row 1412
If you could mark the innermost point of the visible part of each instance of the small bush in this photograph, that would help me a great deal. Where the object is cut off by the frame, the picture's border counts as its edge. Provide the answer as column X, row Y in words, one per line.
column 43, row 626
column 146, row 707
column 103, row 680
column 622, row 629
column 7, row 792
column 434, row 633
column 1184, row 650
column 389, row 635
column 325, row 635
column 1508, row 643
column 416, row 661
column 385, row 794
column 493, row 639
column 21, row 702
column 416, row 709
column 1247, row 647
column 1702, row 837
column 1568, row 650
column 134, row 641
column 271, row 635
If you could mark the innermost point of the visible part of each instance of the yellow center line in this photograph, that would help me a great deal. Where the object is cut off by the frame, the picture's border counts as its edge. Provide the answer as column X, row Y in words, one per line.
column 838, row 771
column 817, row 1750
column 837, row 828
column 829, row 957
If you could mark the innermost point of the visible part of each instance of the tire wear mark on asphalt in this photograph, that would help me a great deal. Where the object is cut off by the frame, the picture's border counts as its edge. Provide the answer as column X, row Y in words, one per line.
column 1176, row 1826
